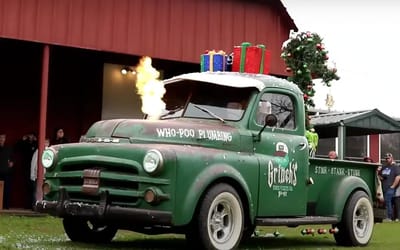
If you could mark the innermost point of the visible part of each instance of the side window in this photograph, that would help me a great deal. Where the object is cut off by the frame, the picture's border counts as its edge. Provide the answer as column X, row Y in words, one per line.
column 281, row 106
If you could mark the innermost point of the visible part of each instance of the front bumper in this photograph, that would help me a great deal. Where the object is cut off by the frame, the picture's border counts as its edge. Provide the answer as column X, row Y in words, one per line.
column 103, row 211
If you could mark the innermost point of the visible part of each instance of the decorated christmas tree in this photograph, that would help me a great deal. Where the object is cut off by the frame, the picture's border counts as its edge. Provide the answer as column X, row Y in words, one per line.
column 306, row 59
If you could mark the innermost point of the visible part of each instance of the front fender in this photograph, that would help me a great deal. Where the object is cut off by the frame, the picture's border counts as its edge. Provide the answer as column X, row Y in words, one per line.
column 331, row 202
column 206, row 178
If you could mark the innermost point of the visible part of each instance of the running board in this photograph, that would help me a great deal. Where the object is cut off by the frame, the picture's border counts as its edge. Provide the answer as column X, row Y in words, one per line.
column 296, row 221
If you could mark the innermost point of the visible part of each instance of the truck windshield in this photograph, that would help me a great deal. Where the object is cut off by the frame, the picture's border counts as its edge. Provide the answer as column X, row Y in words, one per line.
column 205, row 100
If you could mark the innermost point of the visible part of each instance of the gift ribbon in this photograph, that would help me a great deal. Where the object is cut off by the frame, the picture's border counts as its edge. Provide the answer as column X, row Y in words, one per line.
column 244, row 46
column 262, row 47
column 211, row 62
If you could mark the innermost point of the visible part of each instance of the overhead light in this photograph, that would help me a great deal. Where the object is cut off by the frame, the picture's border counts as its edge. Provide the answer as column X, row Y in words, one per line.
column 127, row 70
column 124, row 71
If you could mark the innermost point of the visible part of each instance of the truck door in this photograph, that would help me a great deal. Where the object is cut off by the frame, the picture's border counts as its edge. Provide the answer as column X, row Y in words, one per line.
column 283, row 156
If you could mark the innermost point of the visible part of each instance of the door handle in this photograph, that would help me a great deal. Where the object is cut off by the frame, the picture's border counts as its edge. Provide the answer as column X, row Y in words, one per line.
column 302, row 145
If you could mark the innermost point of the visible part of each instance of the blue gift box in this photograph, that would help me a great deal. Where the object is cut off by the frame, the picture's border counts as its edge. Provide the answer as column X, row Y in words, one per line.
column 213, row 61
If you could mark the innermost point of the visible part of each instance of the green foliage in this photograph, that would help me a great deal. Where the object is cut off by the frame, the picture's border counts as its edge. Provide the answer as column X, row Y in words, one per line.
column 306, row 59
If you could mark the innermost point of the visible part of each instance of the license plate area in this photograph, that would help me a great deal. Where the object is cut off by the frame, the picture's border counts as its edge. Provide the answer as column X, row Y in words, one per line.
column 91, row 181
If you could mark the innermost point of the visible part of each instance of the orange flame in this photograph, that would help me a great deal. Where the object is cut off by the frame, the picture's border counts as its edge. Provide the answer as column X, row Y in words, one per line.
column 150, row 89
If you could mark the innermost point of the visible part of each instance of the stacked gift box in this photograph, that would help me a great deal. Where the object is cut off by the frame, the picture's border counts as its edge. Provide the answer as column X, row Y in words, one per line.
column 213, row 61
column 245, row 58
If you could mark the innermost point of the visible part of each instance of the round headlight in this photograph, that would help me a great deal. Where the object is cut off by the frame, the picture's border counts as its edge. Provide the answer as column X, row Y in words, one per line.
column 153, row 161
column 48, row 158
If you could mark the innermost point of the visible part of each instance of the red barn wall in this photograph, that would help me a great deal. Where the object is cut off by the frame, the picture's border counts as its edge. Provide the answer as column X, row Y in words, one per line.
column 167, row 29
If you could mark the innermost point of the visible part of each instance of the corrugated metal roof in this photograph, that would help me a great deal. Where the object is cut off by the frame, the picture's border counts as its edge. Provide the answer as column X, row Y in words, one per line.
column 357, row 123
column 336, row 118
column 167, row 29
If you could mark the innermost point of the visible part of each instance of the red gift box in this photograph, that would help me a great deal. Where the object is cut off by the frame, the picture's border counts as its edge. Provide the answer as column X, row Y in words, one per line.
column 251, row 59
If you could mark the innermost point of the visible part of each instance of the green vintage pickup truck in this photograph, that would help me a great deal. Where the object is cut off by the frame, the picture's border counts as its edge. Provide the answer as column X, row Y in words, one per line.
column 227, row 155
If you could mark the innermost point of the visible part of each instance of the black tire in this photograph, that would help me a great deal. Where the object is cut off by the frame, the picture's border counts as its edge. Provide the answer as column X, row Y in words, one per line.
column 248, row 233
column 357, row 223
column 220, row 221
column 82, row 230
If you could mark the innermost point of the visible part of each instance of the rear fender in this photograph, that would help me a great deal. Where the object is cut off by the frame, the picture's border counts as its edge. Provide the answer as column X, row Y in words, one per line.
column 204, row 180
column 334, row 198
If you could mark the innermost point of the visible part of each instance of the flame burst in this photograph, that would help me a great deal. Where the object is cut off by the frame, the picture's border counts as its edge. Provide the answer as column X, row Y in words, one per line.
column 150, row 89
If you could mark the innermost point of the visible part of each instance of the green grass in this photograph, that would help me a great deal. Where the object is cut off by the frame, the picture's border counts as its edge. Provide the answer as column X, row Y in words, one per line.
column 18, row 232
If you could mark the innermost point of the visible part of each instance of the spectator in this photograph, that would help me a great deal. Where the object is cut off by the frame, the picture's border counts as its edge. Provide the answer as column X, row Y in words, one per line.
column 34, row 170
column 388, row 175
column 59, row 137
column 25, row 148
column 378, row 183
column 6, row 167
column 397, row 198
column 332, row 154
column 312, row 138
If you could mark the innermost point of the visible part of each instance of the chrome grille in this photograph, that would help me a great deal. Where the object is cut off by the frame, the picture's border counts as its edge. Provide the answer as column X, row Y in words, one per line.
column 120, row 181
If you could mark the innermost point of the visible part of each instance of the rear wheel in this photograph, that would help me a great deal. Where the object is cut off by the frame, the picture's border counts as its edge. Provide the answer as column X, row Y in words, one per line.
column 82, row 230
column 220, row 220
column 357, row 223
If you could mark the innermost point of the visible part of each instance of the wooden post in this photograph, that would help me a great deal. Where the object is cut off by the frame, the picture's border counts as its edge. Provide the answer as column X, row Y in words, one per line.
column 42, row 119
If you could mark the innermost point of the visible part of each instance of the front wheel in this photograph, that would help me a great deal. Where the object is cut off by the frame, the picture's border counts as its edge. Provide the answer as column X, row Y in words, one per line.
column 357, row 223
column 220, row 221
column 82, row 230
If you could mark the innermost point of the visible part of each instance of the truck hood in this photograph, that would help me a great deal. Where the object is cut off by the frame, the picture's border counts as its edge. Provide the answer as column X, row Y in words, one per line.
column 205, row 133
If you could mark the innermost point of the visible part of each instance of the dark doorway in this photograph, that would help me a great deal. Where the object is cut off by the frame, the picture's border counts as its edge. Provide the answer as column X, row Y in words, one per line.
column 20, row 73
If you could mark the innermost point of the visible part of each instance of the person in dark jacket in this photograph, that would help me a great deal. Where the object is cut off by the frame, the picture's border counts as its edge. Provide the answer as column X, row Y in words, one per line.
column 59, row 137
column 24, row 149
column 6, row 167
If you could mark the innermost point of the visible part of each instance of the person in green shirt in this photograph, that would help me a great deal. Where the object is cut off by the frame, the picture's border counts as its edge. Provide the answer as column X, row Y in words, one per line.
column 312, row 138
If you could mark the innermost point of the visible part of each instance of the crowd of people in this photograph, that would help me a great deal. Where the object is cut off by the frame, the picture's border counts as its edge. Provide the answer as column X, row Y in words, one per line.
column 20, row 161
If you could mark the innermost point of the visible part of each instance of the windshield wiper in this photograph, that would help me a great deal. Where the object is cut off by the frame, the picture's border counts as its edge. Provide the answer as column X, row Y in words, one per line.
column 171, row 112
column 209, row 112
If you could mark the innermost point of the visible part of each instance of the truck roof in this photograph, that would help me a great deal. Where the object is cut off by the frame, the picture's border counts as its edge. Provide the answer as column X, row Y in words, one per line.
column 236, row 80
